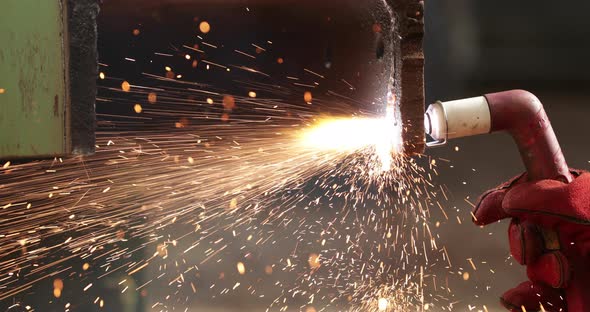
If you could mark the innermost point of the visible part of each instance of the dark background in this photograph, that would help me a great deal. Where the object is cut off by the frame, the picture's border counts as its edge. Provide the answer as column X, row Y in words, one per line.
column 471, row 47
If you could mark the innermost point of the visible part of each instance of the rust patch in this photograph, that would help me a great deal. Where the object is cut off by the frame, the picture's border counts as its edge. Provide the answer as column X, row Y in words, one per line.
column 26, row 90
column 56, row 106
column 28, row 80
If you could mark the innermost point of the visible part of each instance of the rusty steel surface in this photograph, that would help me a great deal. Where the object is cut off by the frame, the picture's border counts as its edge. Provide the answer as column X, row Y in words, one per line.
column 409, row 83
column 82, row 71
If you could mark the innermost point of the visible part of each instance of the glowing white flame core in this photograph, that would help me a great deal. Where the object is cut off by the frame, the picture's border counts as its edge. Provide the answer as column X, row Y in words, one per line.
column 382, row 304
column 353, row 134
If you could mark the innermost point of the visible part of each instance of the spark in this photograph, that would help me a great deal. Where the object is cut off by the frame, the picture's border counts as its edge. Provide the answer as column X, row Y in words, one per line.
column 209, row 45
column 314, row 261
column 152, row 97
column 125, row 86
column 245, row 54
column 214, row 64
column 314, row 73
column 259, row 47
column 191, row 48
column 241, row 268
column 307, row 97
column 465, row 276
column 204, row 27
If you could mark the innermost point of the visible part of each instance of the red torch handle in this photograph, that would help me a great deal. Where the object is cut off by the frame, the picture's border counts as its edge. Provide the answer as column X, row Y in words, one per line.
column 521, row 114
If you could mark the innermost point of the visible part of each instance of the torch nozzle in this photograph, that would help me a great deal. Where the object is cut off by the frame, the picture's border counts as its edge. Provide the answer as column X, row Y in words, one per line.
column 517, row 112
column 455, row 119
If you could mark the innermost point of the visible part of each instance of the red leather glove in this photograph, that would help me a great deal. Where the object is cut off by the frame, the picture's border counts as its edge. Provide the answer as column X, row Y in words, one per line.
column 550, row 234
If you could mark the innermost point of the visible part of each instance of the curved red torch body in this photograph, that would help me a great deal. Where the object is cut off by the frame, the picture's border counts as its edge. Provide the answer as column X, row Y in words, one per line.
column 521, row 114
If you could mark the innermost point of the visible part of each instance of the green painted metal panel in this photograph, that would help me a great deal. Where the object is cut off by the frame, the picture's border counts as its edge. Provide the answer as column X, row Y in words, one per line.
column 33, row 82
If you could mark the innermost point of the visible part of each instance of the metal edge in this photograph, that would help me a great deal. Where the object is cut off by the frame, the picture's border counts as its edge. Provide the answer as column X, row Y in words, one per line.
column 83, row 72
column 410, row 23
column 66, row 61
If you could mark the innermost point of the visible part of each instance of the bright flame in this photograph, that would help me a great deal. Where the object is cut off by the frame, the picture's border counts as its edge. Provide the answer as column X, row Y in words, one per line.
column 383, row 304
column 353, row 134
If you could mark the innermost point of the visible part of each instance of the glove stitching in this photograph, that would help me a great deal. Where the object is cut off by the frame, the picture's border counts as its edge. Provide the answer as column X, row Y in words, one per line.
column 564, row 217
column 508, row 305
column 513, row 181
column 561, row 271
column 483, row 197
column 523, row 245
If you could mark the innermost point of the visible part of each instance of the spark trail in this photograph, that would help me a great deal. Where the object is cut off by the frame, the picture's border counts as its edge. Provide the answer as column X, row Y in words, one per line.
column 213, row 180
column 158, row 206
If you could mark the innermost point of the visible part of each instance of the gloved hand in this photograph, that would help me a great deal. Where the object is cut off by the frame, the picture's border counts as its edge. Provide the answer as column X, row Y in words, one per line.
column 550, row 234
